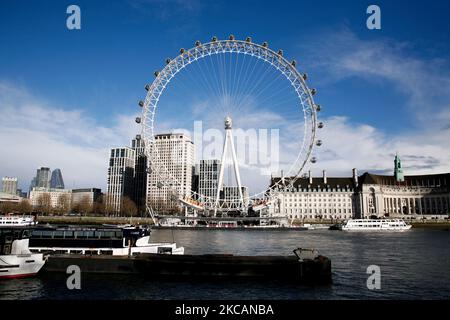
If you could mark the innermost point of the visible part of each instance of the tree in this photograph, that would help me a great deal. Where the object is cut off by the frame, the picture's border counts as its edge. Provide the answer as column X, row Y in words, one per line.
column 8, row 207
column 44, row 203
column 128, row 207
column 24, row 206
column 64, row 203
column 108, row 203
column 85, row 205
column 99, row 206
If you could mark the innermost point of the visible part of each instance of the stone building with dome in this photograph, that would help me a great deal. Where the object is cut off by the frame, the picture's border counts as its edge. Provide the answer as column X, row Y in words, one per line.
column 364, row 196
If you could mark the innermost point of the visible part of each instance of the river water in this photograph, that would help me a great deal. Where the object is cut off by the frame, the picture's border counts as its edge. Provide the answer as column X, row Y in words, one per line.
column 413, row 264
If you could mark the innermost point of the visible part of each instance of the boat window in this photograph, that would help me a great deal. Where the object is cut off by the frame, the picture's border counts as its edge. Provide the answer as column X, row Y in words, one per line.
column 37, row 233
column 109, row 234
column 47, row 234
column 26, row 234
column 79, row 234
column 58, row 234
column 99, row 234
column 68, row 234
column 106, row 252
column 90, row 234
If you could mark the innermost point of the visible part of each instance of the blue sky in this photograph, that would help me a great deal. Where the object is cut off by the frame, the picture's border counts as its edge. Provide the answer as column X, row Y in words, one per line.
column 382, row 90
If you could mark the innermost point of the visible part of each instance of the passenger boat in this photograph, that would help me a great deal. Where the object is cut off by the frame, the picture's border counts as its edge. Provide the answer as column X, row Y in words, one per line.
column 16, row 260
column 375, row 225
column 16, row 220
column 116, row 241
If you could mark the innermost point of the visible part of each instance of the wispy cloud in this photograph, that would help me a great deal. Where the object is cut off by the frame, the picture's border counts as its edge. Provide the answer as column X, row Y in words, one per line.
column 424, row 81
column 35, row 133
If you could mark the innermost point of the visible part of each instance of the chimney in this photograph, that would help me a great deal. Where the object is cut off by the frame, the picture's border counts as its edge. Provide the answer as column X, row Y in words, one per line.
column 324, row 172
column 310, row 177
column 355, row 177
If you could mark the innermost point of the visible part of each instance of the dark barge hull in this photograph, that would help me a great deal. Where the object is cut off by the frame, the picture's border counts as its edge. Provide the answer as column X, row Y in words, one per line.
column 289, row 268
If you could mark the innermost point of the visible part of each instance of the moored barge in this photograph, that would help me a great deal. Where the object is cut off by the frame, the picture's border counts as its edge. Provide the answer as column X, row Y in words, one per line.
column 306, row 266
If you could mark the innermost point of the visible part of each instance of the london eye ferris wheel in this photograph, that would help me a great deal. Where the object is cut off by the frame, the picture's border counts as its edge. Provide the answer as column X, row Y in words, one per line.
column 232, row 85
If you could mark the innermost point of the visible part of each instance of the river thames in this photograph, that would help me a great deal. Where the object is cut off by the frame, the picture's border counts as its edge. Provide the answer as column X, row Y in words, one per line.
column 414, row 265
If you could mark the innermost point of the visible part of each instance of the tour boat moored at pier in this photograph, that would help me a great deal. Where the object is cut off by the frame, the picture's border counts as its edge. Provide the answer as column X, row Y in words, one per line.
column 116, row 241
column 375, row 225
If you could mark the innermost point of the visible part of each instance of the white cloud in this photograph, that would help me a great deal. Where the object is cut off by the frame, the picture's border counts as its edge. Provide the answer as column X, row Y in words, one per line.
column 34, row 133
column 424, row 82
column 348, row 145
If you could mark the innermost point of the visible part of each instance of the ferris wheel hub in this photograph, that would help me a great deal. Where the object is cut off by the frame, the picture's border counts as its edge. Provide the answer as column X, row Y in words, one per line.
column 228, row 123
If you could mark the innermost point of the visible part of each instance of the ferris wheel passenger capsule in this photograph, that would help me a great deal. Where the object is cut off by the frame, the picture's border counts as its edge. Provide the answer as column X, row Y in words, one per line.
column 168, row 60
column 313, row 159
column 156, row 73
column 320, row 125
column 294, row 63
column 182, row 50
column 141, row 103
column 248, row 39
column 318, row 143
column 147, row 87
column 231, row 37
column 280, row 52
column 198, row 43
column 318, row 107
column 214, row 39
column 138, row 120
column 265, row 44
column 313, row 91
column 305, row 76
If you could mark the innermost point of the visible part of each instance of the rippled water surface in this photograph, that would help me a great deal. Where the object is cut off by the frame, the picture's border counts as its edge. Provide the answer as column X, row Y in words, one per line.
column 414, row 265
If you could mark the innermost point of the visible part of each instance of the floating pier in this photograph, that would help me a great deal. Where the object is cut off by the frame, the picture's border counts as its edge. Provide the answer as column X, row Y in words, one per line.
column 307, row 268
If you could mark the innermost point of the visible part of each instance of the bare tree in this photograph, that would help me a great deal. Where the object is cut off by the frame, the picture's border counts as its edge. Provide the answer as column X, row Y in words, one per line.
column 128, row 207
column 64, row 203
column 24, row 206
column 99, row 206
column 108, row 203
column 8, row 207
column 85, row 205
column 44, row 203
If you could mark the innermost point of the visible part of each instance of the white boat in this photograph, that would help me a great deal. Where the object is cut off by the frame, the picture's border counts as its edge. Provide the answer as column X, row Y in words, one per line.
column 315, row 226
column 16, row 220
column 116, row 241
column 375, row 225
column 16, row 260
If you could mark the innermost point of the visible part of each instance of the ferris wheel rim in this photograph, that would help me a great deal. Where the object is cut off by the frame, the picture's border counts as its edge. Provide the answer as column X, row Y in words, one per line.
column 200, row 51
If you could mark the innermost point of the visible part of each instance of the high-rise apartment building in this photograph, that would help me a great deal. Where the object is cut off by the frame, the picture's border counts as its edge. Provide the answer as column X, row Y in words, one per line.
column 173, row 178
column 140, row 173
column 120, row 177
column 208, row 178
